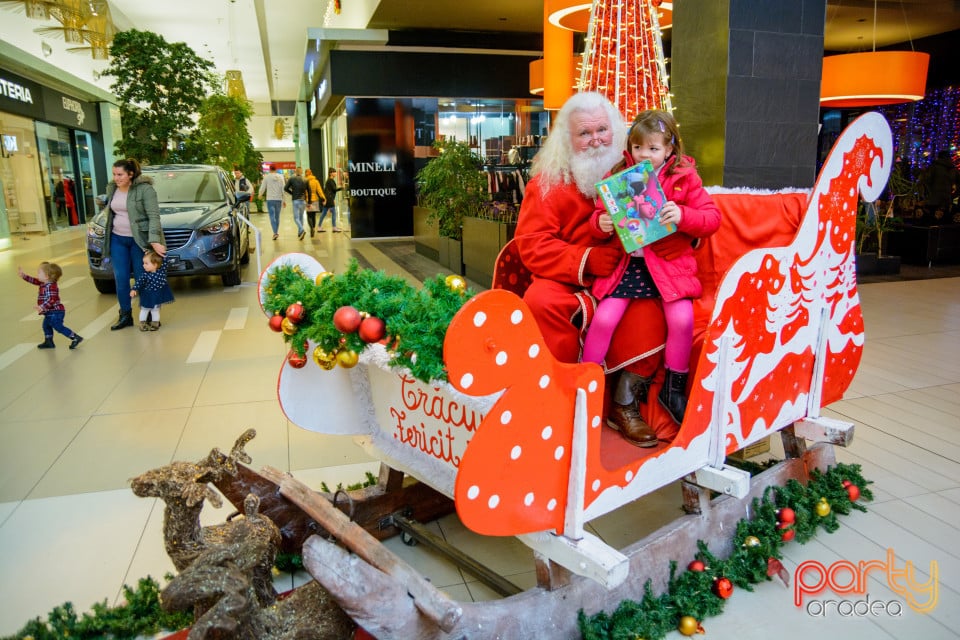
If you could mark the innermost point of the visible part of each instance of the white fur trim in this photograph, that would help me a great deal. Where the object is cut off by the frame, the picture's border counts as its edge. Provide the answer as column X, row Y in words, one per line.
column 759, row 192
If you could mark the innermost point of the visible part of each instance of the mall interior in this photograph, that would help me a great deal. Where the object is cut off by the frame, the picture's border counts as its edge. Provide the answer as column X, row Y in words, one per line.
column 78, row 424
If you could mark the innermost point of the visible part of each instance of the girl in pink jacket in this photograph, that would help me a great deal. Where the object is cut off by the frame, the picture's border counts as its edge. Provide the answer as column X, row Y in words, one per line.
column 666, row 269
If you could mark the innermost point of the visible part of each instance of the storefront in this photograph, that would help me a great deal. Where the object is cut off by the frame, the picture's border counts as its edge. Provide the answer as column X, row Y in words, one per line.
column 48, row 176
column 378, row 144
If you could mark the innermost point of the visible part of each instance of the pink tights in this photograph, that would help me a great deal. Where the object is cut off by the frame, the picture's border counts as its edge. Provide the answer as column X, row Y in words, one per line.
column 679, row 317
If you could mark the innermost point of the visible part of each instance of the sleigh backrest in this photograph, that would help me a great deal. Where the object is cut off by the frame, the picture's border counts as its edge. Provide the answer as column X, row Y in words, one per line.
column 748, row 220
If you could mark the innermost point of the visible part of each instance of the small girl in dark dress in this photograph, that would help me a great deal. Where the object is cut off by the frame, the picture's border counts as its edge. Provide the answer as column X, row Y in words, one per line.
column 153, row 290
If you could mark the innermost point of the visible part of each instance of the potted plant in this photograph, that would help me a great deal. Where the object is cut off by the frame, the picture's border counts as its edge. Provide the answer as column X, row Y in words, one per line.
column 451, row 186
column 873, row 224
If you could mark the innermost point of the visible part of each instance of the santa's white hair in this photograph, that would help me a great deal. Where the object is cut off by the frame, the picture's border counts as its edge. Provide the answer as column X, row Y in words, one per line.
column 554, row 163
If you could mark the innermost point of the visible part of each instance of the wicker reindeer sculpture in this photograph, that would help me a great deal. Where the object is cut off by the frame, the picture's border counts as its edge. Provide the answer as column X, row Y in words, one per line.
column 225, row 570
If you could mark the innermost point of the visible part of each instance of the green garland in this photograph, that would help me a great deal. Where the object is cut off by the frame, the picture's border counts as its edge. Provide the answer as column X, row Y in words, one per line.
column 756, row 544
column 416, row 320
column 141, row 615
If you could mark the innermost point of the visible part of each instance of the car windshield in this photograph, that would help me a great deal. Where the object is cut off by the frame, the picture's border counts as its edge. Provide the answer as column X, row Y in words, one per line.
column 187, row 186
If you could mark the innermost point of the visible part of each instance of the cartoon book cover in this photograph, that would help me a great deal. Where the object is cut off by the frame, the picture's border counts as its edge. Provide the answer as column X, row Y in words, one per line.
column 633, row 198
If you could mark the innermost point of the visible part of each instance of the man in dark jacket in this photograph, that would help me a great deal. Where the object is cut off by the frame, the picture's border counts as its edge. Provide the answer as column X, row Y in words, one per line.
column 297, row 188
column 330, row 190
column 941, row 180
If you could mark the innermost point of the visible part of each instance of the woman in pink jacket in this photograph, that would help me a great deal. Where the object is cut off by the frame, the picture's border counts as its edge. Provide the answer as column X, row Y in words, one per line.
column 658, row 270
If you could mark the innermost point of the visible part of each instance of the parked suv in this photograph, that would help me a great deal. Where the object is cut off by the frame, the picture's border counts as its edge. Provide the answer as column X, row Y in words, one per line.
column 198, row 209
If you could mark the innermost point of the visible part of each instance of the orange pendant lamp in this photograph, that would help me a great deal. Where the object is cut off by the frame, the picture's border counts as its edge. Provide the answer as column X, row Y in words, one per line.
column 873, row 78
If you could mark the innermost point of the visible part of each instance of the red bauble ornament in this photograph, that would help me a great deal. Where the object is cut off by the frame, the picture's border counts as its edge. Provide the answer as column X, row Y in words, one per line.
column 296, row 360
column 346, row 319
column 787, row 531
column 846, row 483
column 723, row 588
column 372, row 329
column 853, row 491
column 697, row 565
column 276, row 322
column 786, row 515
column 296, row 312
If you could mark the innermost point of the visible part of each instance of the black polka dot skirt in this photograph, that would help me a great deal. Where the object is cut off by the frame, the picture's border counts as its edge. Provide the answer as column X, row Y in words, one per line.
column 636, row 281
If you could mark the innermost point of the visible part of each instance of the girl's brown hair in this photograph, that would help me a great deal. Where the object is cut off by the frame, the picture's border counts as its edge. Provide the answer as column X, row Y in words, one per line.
column 656, row 122
column 155, row 258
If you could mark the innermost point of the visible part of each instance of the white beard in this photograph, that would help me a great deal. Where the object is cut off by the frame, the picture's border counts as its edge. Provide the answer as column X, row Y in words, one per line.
column 590, row 166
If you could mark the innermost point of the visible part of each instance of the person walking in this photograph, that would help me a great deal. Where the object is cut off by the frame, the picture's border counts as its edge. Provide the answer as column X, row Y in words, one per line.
column 297, row 188
column 271, row 188
column 133, row 226
column 330, row 190
column 315, row 199
column 49, row 305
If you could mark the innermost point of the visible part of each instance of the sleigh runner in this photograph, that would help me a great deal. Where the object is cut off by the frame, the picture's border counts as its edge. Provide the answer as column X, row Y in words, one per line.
column 517, row 439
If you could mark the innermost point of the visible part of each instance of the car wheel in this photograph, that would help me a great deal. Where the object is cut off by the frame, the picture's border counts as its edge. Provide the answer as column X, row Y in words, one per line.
column 231, row 278
column 105, row 286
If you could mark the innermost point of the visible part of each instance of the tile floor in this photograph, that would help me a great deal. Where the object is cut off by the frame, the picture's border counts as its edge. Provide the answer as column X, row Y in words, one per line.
column 76, row 425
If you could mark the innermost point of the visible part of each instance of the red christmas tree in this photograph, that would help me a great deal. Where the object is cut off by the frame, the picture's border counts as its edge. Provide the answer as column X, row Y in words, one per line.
column 624, row 56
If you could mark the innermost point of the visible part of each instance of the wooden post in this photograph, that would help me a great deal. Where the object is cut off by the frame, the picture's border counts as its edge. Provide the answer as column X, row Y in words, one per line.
column 431, row 602
column 550, row 575
column 696, row 499
column 793, row 445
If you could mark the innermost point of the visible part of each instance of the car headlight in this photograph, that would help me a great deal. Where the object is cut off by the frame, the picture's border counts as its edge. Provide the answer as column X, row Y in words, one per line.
column 95, row 231
column 217, row 227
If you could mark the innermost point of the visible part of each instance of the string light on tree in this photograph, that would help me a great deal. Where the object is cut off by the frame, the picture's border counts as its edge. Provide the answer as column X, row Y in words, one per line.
column 623, row 56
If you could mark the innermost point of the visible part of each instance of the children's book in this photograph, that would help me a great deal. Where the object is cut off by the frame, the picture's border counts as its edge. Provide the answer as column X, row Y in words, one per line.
column 633, row 198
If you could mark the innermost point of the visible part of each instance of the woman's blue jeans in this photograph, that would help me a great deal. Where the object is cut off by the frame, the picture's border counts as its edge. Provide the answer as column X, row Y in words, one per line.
column 333, row 216
column 127, row 259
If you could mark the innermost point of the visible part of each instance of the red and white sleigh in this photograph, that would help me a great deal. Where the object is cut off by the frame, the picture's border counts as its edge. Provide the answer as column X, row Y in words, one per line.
column 517, row 438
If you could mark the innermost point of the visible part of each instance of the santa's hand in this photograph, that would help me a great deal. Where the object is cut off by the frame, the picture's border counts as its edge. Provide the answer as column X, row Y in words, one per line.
column 671, row 247
column 601, row 261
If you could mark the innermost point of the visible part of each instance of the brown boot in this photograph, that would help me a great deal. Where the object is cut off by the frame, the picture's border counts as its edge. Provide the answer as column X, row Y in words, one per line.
column 626, row 419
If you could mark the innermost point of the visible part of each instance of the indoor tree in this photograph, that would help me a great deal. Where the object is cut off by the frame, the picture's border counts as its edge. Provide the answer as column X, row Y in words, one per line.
column 223, row 137
column 451, row 186
column 160, row 88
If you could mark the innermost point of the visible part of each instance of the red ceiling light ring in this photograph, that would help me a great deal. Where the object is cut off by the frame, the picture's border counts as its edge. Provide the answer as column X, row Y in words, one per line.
column 873, row 78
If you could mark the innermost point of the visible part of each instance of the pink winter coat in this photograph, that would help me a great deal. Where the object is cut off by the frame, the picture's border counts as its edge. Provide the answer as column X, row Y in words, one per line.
column 677, row 277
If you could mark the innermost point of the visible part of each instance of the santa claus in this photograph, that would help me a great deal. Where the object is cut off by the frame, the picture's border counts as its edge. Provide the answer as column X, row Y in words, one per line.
column 556, row 244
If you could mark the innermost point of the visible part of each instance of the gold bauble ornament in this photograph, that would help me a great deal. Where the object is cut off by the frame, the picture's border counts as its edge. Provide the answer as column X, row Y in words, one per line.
column 823, row 508
column 327, row 360
column 347, row 358
column 751, row 541
column 288, row 327
column 455, row 283
column 689, row 625
column 323, row 276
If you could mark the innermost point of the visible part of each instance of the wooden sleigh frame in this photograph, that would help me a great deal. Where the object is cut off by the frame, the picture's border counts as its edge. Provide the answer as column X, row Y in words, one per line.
column 782, row 336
